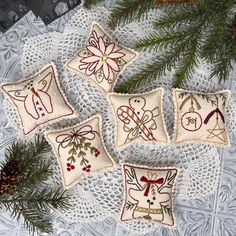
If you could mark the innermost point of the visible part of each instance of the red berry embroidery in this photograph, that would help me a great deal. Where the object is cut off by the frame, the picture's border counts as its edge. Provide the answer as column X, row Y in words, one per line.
column 97, row 153
column 70, row 167
column 87, row 168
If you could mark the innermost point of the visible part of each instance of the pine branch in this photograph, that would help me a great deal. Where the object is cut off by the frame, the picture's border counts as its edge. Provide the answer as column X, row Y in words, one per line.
column 184, row 53
column 177, row 16
column 151, row 71
column 89, row 3
column 157, row 41
column 128, row 10
column 33, row 220
column 31, row 197
column 188, row 33
column 189, row 60
column 222, row 69
column 188, row 63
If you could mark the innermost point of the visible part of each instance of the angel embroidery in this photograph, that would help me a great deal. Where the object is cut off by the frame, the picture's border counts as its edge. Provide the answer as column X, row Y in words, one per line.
column 138, row 121
column 37, row 101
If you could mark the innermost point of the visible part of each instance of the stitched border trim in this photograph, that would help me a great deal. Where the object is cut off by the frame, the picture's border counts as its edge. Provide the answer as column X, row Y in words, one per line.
column 102, row 170
column 197, row 141
column 87, row 77
column 51, row 121
column 171, row 193
column 137, row 140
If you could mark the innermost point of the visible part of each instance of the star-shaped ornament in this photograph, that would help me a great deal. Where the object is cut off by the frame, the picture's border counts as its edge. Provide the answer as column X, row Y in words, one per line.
column 217, row 132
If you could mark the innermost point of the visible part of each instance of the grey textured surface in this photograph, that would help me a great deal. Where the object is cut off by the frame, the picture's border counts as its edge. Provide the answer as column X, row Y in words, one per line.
column 214, row 215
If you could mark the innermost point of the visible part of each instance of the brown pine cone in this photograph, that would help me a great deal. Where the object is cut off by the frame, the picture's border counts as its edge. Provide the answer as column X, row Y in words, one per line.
column 9, row 177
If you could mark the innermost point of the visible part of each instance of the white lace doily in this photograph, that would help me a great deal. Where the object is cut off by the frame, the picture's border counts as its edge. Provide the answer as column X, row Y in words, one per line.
column 101, row 195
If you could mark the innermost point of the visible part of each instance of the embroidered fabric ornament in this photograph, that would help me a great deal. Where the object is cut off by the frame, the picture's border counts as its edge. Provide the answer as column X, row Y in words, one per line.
column 101, row 60
column 139, row 117
column 80, row 150
column 39, row 99
column 201, row 117
column 148, row 194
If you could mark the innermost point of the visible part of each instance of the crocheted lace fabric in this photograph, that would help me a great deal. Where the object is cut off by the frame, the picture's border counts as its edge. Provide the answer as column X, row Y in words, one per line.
column 101, row 195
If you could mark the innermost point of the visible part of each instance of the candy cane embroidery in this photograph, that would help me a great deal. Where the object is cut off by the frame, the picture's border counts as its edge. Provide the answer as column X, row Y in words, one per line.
column 77, row 141
column 37, row 101
column 138, row 121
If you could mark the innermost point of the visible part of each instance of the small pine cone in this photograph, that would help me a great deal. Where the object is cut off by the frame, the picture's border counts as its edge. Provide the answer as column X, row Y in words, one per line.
column 233, row 28
column 9, row 177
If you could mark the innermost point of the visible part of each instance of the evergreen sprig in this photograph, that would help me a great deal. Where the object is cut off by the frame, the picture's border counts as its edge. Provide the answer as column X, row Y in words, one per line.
column 187, row 33
column 126, row 11
column 32, row 198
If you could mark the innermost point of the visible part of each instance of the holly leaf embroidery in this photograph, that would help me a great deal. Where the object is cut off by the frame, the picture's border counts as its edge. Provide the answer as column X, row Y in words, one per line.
column 84, row 162
column 71, row 159
column 130, row 205
column 83, row 53
column 167, row 209
column 99, row 76
column 81, row 153
column 106, row 39
column 120, row 62
column 86, row 146
column 92, row 150
column 72, row 151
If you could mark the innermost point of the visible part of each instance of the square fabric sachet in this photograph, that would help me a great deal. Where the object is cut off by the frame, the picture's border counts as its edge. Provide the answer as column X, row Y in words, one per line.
column 101, row 60
column 80, row 150
column 201, row 117
column 148, row 194
column 39, row 99
column 139, row 117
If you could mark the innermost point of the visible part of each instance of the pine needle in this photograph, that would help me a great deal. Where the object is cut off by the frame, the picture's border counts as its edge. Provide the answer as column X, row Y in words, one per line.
column 126, row 11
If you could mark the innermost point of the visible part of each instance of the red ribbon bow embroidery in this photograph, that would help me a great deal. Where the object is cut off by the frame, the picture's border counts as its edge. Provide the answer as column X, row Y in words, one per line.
column 149, row 183
column 85, row 132
column 217, row 111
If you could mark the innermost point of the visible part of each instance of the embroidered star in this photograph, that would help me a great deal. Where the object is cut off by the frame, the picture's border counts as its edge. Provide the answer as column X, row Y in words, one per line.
column 217, row 132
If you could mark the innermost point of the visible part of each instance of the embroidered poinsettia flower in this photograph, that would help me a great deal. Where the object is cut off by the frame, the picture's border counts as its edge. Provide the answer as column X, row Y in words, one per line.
column 101, row 60
column 103, row 57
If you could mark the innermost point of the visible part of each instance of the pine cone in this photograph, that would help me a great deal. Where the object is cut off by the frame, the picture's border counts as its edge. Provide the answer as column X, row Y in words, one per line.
column 233, row 28
column 9, row 177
